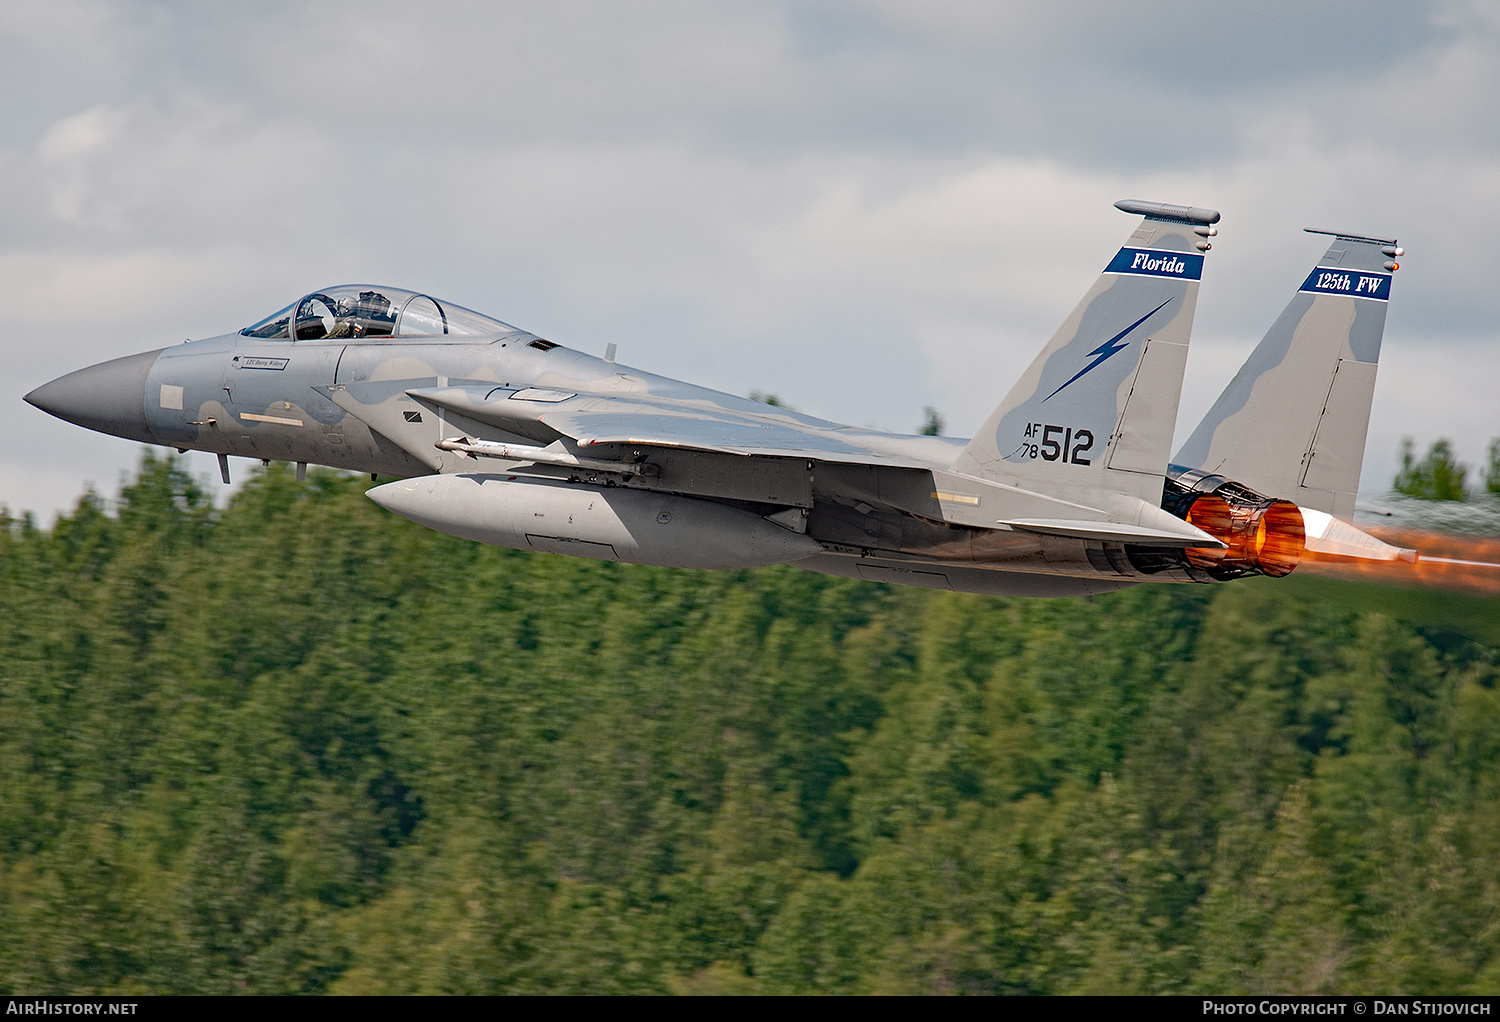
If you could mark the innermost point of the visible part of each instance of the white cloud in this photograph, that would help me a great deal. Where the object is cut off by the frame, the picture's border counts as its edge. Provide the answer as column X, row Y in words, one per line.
column 187, row 172
column 864, row 208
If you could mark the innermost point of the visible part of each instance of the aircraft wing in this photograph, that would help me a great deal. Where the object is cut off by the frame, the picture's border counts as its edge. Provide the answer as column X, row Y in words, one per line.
column 915, row 479
column 591, row 420
column 726, row 436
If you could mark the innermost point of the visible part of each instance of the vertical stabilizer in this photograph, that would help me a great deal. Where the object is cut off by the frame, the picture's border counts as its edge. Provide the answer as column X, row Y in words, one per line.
column 1292, row 422
column 1093, row 415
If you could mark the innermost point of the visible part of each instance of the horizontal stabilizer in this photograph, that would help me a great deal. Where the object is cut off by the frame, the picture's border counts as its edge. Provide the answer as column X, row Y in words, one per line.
column 1112, row 532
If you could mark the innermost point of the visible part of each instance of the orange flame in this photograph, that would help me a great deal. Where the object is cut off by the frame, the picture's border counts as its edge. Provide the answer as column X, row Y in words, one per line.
column 1444, row 560
column 1268, row 539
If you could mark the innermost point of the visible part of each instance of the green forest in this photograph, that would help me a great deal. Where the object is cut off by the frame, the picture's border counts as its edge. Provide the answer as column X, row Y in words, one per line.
column 298, row 745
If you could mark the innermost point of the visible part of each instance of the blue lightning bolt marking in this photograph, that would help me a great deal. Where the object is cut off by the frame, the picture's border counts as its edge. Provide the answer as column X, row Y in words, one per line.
column 1113, row 346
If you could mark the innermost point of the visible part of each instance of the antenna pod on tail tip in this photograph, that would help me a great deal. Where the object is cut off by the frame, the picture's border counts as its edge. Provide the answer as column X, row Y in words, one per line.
column 1166, row 211
column 1346, row 236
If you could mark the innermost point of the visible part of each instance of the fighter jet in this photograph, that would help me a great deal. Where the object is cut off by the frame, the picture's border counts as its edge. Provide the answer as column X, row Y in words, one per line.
column 497, row 435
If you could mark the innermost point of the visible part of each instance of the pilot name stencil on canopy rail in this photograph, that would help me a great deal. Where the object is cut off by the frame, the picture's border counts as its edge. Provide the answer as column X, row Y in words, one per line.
column 1069, row 488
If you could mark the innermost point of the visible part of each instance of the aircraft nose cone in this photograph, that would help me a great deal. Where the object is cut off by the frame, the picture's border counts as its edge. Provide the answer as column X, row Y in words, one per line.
column 109, row 397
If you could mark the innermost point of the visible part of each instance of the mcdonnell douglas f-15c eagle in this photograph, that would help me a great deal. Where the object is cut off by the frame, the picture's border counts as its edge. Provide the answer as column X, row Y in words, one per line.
column 499, row 436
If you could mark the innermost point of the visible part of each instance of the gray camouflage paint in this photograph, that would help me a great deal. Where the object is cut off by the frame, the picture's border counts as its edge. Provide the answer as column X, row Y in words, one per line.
column 1131, row 436
column 916, row 510
column 1292, row 422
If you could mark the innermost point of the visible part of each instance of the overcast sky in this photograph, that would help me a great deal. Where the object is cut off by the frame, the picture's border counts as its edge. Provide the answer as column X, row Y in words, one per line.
column 864, row 208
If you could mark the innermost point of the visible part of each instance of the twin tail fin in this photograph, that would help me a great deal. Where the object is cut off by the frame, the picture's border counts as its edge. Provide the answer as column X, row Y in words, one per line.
column 1094, row 413
column 1292, row 422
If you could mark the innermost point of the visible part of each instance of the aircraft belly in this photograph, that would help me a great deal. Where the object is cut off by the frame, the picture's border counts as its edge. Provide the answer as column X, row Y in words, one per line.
column 861, row 527
column 903, row 576
column 985, row 581
column 921, row 545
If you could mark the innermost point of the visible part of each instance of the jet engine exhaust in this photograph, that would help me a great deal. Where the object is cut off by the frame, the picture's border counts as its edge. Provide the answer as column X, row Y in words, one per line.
column 1447, row 561
column 1262, row 535
column 1263, row 538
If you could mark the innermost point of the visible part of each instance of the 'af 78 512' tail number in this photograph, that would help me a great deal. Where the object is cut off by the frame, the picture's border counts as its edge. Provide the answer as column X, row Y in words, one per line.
column 1055, row 443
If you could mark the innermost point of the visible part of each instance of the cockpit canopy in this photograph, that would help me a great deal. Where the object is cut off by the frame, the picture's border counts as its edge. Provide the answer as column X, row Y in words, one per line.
column 361, row 310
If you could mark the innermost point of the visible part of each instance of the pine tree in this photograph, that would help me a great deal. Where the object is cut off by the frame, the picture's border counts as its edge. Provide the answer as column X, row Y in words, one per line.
column 1438, row 476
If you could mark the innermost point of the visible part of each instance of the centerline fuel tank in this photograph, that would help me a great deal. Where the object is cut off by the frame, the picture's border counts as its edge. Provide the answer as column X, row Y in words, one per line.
column 602, row 522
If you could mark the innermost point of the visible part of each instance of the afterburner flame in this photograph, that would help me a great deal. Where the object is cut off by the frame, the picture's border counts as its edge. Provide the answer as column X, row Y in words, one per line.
column 1266, row 539
column 1444, row 560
